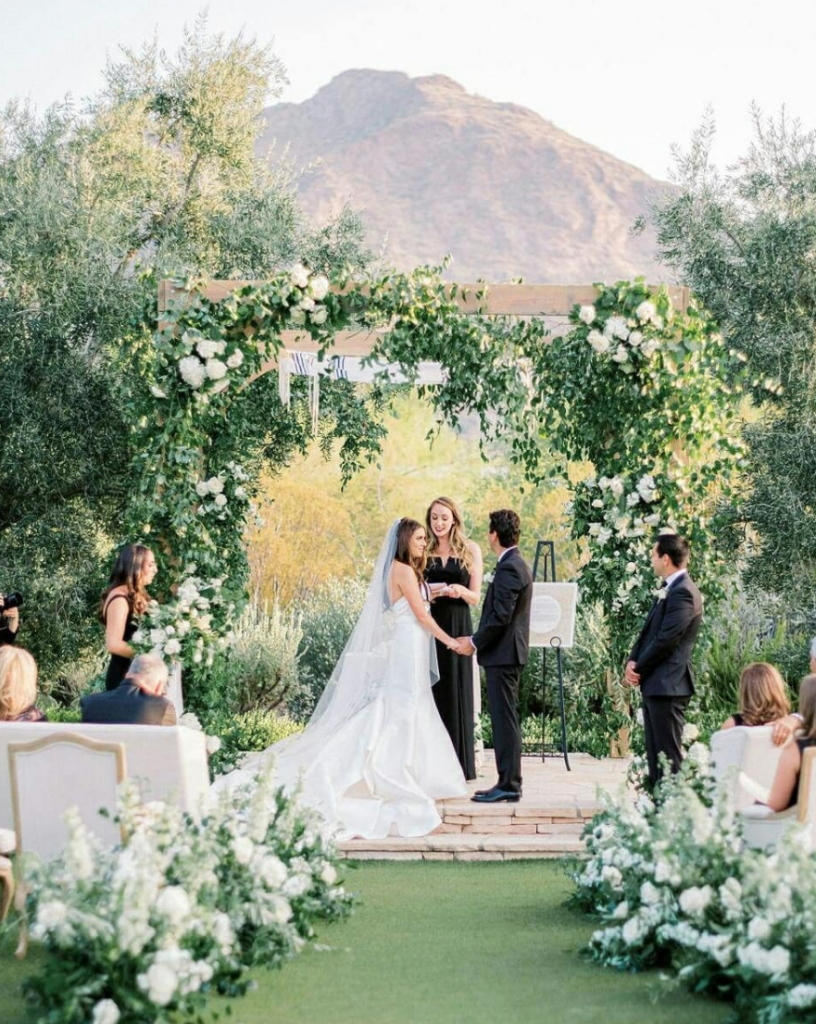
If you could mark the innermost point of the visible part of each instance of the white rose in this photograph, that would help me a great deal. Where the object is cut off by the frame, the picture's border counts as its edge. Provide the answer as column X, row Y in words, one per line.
column 297, row 317
column 215, row 485
column 235, row 360
column 160, row 983
column 307, row 303
column 319, row 316
column 632, row 499
column 599, row 343
column 690, row 732
column 299, row 276
column 190, row 721
column 635, row 338
column 216, row 369
column 615, row 327
column 328, row 874
column 173, row 903
column 156, row 393
column 172, row 647
column 222, row 930
column 197, row 658
column 633, row 931
column 620, row 355
column 319, row 286
column 645, row 312
column 698, row 754
column 192, row 371
column 213, row 744
column 594, row 529
column 604, row 536
column 105, row 1012
column 158, row 637
column 280, row 908
column 801, row 997
column 202, row 490
column 652, row 520
column 243, row 848
column 206, row 348
column 273, row 872
column 598, row 503
column 586, row 314
column 648, row 348
column 220, row 500
column 631, row 567
column 759, row 929
column 616, row 486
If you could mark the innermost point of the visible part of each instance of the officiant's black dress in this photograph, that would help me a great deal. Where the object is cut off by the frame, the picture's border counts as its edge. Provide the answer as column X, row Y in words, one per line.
column 454, row 691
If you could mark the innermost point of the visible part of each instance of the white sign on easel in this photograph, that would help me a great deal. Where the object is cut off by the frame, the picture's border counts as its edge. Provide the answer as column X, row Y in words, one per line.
column 552, row 615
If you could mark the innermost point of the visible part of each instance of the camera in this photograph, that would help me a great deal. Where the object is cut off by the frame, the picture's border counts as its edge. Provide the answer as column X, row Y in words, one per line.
column 12, row 600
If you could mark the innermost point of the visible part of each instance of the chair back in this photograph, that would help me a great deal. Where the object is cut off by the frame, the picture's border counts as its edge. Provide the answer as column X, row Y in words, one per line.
column 746, row 750
column 59, row 771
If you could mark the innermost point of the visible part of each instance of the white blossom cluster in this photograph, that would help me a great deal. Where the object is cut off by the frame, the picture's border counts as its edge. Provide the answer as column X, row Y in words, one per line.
column 255, row 869
column 186, row 626
column 620, row 337
column 220, row 489
column 673, row 881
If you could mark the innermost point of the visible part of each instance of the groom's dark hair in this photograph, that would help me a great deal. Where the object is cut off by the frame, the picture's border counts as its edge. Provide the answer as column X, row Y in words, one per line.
column 506, row 525
column 675, row 546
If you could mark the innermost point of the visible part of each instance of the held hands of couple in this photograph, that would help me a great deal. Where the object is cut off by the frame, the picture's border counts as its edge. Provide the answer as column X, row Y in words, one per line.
column 630, row 676
column 462, row 646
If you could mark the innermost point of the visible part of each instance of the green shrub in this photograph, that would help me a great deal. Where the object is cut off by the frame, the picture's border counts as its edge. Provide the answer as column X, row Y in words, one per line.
column 239, row 734
column 327, row 618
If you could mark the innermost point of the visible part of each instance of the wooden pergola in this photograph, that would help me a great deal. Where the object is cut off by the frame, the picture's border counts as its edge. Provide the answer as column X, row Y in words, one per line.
column 529, row 300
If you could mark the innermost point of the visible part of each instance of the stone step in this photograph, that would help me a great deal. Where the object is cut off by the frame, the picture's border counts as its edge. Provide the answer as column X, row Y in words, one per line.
column 464, row 847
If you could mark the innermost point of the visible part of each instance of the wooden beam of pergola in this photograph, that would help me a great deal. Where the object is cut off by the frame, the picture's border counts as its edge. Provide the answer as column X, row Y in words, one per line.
column 550, row 300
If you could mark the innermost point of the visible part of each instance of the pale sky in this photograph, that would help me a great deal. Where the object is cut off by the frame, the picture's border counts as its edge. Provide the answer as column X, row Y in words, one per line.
column 629, row 77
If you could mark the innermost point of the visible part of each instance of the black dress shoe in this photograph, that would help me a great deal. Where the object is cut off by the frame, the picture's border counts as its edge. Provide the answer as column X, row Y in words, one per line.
column 495, row 796
column 481, row 792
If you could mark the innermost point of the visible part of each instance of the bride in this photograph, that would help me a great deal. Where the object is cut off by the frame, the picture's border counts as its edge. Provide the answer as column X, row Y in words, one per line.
column 375, row 755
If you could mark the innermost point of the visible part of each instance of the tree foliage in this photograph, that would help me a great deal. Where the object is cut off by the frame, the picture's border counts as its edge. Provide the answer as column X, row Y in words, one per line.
column 745, row 241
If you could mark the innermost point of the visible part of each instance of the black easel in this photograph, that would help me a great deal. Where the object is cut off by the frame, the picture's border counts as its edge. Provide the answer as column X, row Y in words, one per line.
column 545, row 558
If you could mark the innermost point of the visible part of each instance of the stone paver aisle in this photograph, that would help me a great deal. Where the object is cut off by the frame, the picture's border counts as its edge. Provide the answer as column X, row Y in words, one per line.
column 546, row 822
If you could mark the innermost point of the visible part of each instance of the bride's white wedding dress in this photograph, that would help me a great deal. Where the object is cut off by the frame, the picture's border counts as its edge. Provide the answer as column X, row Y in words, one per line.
column 375, row 755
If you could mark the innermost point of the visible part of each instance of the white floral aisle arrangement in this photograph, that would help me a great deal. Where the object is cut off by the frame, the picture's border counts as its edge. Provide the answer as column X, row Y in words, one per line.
column 146, row 931
column 673, row 886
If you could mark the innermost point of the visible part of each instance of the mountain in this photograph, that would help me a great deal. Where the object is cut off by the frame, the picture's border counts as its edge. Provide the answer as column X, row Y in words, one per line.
column 435, row 170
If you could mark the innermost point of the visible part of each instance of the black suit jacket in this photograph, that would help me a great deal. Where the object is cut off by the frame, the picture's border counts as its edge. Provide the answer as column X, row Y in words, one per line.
column 662, row 653
column 503, row 637
column 127, row 705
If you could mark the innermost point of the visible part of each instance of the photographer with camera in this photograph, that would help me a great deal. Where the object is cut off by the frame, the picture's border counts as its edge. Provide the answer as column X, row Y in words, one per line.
column 9, row 617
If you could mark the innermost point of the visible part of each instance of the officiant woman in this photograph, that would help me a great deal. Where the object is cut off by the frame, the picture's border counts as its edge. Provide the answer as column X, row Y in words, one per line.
column 454, row 572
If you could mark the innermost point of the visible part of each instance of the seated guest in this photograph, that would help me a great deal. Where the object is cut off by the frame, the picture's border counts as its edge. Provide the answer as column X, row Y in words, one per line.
column 138, row 700
column 762, row 697
column 785, row 789
column 785, row 727
column 18, row 686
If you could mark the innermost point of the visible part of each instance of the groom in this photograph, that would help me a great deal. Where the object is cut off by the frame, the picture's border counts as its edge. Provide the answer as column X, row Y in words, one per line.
column 501, row 644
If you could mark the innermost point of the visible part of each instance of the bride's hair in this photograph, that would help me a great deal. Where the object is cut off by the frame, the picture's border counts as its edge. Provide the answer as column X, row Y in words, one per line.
column 458, row 540
column 405, row 531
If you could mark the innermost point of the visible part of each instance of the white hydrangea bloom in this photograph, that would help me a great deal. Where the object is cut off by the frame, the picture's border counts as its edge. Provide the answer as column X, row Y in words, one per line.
column 299, row 276
column 235, row 360
column 216, row 369
column 193, row 371
column 646, row 312
column 319, row 286
column 774, row 962
column 598, row 342
column 207, row 348
column 604, row 536
column 273, row 872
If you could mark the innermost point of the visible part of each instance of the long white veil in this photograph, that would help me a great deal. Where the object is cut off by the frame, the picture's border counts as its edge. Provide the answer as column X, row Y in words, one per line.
column 362, row 669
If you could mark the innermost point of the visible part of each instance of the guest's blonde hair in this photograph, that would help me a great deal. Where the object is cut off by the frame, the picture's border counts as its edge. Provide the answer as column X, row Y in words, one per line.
column 762, row 695
column 807, row 705
column 18, row 682
column 460, row 548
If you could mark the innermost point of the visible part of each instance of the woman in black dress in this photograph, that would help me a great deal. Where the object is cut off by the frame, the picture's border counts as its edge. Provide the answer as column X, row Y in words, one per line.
column 122, row 603
column 454, row 573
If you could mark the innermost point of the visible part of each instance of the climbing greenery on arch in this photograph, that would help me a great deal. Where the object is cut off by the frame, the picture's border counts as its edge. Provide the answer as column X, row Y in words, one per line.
column 634, row 388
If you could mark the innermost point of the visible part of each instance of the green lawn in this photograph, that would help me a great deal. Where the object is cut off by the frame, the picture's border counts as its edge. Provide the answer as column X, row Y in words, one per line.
column 441, row 943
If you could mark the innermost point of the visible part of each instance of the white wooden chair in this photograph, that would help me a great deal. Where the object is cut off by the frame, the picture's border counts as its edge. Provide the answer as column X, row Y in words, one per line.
column 49, row 775
column 745, row 759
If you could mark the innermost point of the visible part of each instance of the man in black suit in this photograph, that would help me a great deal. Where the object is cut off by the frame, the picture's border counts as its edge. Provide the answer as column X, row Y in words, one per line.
column 660, row 661
column 138, row 700
column 501, row 644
